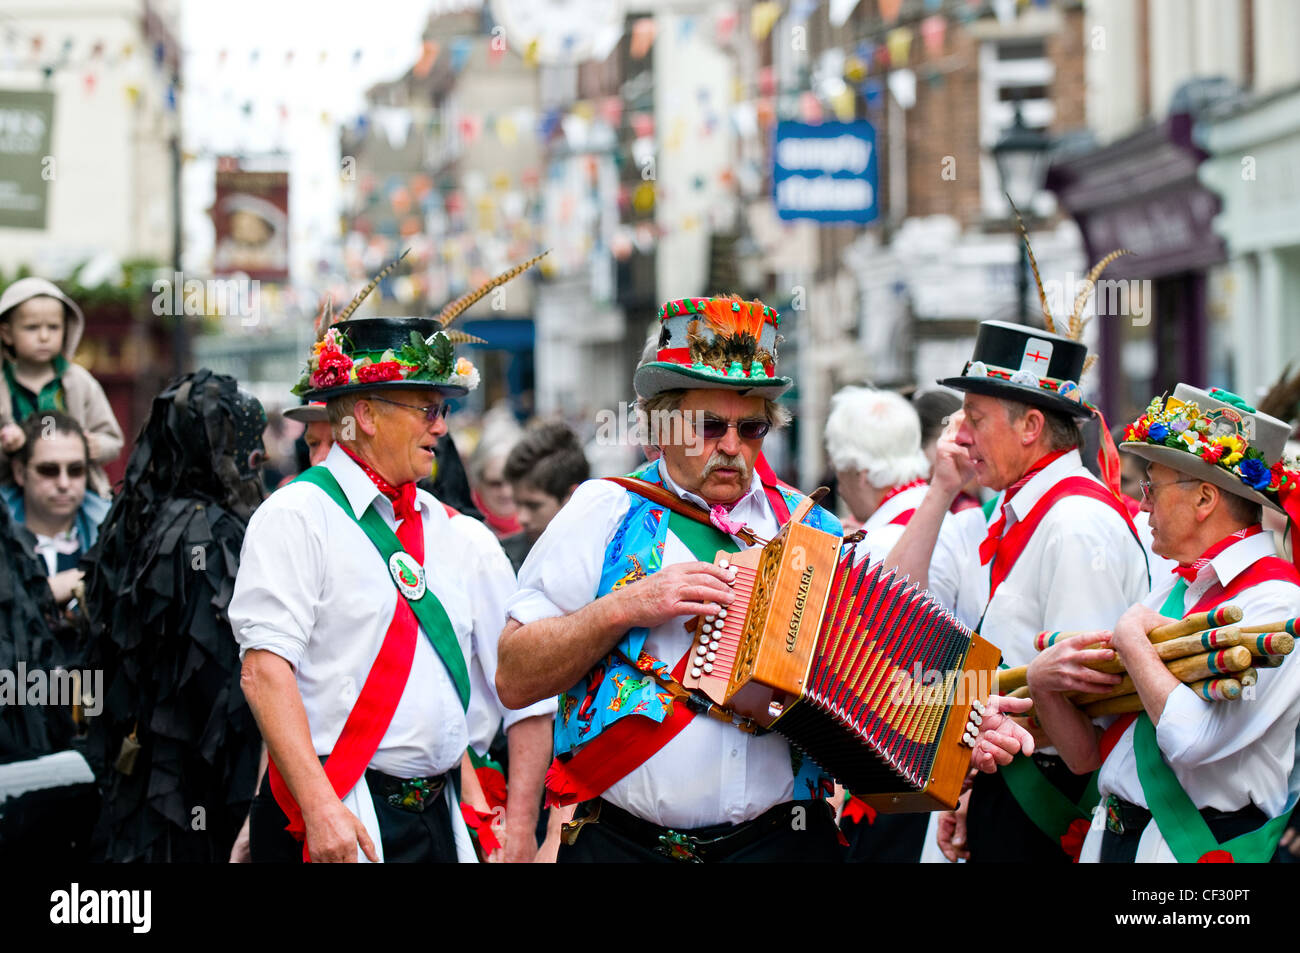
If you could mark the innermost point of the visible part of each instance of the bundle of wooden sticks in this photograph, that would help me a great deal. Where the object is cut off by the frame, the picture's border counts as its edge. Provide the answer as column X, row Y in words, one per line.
column 1210, row 651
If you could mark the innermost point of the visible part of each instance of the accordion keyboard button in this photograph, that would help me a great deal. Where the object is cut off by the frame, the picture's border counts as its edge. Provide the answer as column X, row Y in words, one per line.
column 707, row 668
column 710, row 657
column 722, row 613
column 695, row 673
column 703, row 650
column 705, row 639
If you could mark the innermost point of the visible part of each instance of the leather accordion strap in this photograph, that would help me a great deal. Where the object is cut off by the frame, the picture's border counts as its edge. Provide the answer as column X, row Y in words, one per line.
column 671, row 501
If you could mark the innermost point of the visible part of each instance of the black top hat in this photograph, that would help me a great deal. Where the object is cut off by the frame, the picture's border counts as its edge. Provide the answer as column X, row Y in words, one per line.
column 387, row 354
column 1014, row 362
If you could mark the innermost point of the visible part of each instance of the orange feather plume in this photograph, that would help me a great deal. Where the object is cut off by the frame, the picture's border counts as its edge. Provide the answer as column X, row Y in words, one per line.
column 727, row 321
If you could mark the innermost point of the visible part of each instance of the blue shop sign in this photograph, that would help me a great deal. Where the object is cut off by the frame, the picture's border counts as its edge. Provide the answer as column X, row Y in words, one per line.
column 825, row 172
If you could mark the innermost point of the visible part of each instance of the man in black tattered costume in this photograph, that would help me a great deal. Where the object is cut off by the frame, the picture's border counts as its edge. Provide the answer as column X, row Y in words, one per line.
column 179, row 745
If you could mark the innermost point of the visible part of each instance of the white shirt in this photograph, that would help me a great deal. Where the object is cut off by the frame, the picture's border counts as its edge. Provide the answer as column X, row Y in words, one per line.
column 1080, row 570
column 49, row 548
column 957, row 580
column 882, row 532
column 710, row 773
column 313, row 589
column 1225, row 754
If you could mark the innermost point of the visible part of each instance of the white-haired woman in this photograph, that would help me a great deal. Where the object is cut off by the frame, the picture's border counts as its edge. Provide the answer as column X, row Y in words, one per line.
column 873, row 439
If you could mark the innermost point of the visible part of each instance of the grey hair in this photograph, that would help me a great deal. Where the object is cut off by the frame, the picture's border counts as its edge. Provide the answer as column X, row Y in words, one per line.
column 1062, row 430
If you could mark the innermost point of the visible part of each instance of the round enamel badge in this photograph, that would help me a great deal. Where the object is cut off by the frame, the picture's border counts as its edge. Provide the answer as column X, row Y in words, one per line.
column 408, row 574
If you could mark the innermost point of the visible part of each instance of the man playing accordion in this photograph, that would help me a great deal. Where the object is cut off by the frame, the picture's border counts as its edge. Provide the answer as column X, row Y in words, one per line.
column 599, row 619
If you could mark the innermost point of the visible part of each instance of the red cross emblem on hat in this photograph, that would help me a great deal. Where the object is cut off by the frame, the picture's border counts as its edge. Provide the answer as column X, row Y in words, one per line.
column 1038, row 355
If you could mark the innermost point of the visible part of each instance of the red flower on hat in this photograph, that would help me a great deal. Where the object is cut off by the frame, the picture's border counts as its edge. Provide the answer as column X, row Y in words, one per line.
column 332, row 367
column 1210, row 453
column 380, row 371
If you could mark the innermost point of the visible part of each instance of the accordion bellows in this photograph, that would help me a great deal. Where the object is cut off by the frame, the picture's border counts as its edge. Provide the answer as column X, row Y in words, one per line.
column 861, row 670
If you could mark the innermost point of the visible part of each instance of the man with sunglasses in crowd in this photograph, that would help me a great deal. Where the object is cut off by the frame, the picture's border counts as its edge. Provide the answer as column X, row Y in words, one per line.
column 361, row 605
column 653, row 781
column 49, row 496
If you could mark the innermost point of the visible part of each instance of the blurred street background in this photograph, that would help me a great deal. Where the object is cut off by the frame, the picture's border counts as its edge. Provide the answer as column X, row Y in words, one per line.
column 199, row 176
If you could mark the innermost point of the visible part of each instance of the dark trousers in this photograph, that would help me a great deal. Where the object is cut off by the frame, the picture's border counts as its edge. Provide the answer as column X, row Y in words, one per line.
column 998, row 831
column 889, row 839
column 1122, row 848
column 51, row 825
column 407, row 837
column 794, row 832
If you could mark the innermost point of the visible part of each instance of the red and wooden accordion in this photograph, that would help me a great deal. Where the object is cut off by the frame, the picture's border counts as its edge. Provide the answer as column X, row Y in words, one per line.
column 874, row 680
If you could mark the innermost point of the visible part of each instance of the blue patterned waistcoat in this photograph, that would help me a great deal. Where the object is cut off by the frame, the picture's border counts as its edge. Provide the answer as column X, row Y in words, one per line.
column 623, row 682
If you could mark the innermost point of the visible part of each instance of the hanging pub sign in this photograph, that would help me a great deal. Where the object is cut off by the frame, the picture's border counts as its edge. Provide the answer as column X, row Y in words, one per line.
column 26, row 162
column 251, row 217
column 825, row 172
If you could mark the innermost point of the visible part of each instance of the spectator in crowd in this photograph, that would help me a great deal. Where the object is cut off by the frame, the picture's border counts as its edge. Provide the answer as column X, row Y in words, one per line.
column 48, row 797
column 318, row 435
column 543, row 470
column 49, row 496
column 40, row 328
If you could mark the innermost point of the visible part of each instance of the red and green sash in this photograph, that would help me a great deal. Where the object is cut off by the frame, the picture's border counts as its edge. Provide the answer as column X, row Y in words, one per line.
column 374, row 708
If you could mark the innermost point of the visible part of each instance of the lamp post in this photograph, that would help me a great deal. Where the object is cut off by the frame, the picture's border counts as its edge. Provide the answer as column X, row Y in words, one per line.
column 1021, row 156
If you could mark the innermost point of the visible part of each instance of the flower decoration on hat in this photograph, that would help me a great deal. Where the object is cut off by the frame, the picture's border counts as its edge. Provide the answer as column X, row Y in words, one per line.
column 406, row 355
column 1219, row 436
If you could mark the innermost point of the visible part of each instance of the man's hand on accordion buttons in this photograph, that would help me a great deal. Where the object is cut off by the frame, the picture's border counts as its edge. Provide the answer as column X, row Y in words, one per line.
column 683, row 589
column 1000, row 738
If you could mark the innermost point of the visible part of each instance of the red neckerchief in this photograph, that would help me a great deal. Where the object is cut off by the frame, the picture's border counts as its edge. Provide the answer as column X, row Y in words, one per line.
column 503, row 526
column 901, row 488
column 990, row 544
column 1189, row 571
column 402, row 498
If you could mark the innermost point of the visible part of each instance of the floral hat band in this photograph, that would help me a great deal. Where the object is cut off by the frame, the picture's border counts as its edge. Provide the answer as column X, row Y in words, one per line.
column 369, row 353
column 1216, row 436
column 380, row 356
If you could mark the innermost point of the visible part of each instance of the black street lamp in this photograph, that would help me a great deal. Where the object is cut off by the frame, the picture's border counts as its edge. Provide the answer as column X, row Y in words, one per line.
column 1021, row 155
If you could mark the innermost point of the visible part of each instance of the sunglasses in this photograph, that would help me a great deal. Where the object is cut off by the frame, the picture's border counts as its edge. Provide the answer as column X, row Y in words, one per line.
column 50, row 471
column 431, row 411
column 714, row 428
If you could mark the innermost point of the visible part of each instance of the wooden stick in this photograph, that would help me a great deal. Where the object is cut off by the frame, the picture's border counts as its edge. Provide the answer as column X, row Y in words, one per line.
column 1012, row 678
column 1268, row 661
column 1211, row 689
column 1290, row 627
column 1269, row 643
column 1193, row 644
column 1218, row 689
column 1224, row 615
column 1192, row 668
column 1248, row 677
column 1114, row 706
